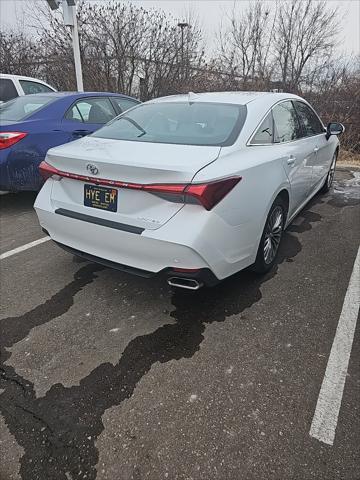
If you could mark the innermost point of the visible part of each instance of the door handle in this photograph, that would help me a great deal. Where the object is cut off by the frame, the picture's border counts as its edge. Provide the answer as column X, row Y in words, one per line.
column 291, row 160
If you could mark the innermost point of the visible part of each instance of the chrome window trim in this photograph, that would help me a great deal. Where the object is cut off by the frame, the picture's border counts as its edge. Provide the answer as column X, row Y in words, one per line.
column 248, row 144
column 282, row 143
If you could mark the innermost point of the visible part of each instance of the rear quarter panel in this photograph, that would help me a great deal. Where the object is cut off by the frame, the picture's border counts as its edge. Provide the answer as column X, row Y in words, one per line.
column 24, row 157
column 21, row 161
column 246, row 207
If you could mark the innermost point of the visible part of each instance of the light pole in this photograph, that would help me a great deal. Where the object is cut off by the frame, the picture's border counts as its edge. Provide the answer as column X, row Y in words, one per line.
column 182, row 25
column 70, row 20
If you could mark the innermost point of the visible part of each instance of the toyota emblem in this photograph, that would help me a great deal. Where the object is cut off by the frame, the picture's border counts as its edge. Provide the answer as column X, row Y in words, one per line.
column 92, row 169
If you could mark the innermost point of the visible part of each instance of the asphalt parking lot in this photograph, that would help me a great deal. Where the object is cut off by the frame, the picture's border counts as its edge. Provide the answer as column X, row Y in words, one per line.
column 114, row 377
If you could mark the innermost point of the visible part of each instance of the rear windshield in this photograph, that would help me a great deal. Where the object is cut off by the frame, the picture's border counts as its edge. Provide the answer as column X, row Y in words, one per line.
column 179, row 123
column 21, row 107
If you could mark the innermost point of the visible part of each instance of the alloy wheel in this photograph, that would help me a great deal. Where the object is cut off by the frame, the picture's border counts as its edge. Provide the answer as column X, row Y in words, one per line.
column 273, row 232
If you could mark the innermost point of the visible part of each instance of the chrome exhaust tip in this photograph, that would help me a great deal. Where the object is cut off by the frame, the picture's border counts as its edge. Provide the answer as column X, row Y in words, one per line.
column 187, row 283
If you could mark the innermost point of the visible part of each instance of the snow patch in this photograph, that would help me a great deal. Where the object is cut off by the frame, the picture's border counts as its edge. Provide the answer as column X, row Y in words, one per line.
column 350, row 189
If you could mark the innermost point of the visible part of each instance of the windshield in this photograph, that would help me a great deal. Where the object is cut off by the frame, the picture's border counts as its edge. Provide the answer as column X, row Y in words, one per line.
column 21, row 107
column 197, row 123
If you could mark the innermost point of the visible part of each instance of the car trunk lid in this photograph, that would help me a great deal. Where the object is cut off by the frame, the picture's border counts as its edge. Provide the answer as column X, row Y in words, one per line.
column 136, row 163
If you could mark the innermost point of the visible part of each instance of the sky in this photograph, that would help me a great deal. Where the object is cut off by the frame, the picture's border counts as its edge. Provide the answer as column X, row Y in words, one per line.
column 211, row 12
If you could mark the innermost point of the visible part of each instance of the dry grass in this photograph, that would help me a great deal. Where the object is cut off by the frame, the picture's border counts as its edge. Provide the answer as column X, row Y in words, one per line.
column 349, row 158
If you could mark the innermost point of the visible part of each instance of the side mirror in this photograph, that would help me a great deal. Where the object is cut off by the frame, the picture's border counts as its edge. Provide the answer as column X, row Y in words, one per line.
column 334, row 128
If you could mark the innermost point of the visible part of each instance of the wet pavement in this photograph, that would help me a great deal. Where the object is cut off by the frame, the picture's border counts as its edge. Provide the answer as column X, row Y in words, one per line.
column 111, row 377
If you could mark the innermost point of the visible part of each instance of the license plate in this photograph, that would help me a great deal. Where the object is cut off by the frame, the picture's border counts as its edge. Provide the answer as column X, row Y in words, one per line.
column 100, row 197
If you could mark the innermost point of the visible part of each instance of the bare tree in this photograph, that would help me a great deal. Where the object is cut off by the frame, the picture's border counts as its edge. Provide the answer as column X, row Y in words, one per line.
column 138, row 51
column 245, row 48
column 306, row 33
column 124, row 48
column 334, row 93
column 18, row 54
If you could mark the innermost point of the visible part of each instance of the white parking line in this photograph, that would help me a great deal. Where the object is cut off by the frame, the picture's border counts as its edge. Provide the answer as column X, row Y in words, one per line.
column 24, row 247
column 328, row 405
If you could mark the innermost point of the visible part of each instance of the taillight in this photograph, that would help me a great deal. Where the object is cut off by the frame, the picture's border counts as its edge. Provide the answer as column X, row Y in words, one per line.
column 205, row 194
column 7, row 139
column 209, row 194
column 47, row 171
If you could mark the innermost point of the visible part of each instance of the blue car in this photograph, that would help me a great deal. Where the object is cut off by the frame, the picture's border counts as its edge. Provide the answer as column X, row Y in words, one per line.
column 32, row 124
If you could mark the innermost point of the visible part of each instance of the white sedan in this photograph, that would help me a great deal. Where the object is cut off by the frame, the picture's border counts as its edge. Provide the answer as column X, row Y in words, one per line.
column 193, row 187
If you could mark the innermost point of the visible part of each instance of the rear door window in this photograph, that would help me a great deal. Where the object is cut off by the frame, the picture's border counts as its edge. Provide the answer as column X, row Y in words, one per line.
column 7, row 90
column 265, row 133
column 287, row 127
column 30, row 87
column 310, row 121
column 91, row 110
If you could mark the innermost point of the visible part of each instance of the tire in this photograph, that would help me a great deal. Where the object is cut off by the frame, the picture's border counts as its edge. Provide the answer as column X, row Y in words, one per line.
column 271, row 237
column 330, row 176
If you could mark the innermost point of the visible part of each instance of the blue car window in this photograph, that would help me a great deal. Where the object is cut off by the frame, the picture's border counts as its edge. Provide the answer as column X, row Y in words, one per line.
column 21, row 107
column 91, row 110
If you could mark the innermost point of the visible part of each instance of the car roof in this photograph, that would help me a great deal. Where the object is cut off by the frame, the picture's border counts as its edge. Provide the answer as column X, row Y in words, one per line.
column 79, row 94
column 240, row 98
column 21, row 77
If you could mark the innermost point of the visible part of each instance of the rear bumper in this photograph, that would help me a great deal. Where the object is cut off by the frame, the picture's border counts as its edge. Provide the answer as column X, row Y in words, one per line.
column 192, row 239
column 204, row 276
column 117, row 246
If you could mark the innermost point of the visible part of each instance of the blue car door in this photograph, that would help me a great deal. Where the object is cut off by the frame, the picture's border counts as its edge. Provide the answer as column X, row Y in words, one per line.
column 87, row 115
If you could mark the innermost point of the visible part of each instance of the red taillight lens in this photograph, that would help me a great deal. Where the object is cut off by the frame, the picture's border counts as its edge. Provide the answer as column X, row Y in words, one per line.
column 47, row 171
column 209, row 194
column 206, row 194
column 166, row 188
column 7, row 139
column 171, row 192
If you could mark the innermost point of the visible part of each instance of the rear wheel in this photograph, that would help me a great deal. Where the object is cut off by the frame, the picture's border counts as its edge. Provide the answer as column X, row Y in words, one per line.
column 330, row 176
column 271, row 237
